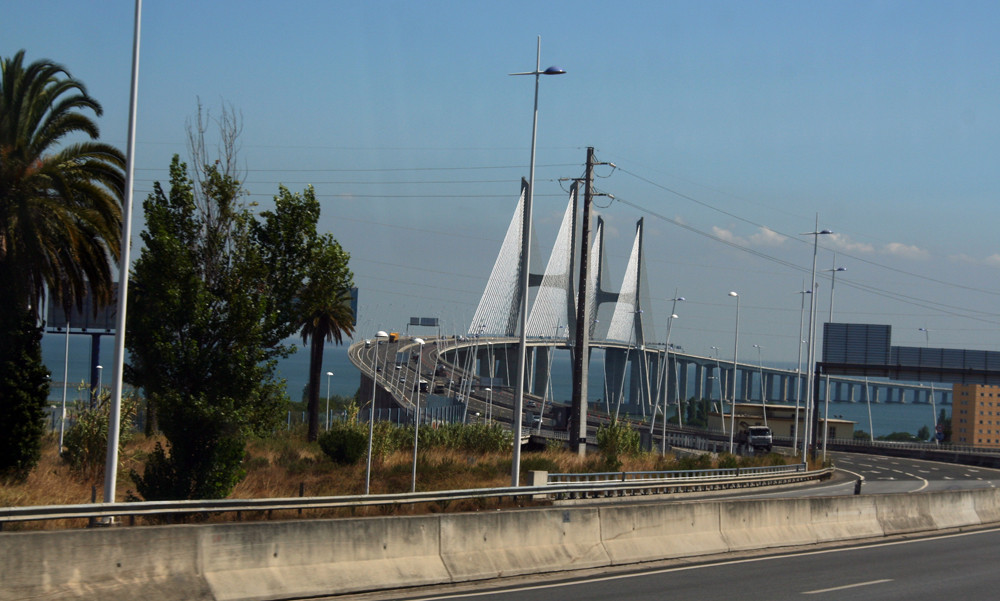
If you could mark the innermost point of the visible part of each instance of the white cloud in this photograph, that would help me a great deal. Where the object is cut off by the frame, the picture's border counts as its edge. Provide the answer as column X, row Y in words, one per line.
column 763, row 237
column 906, row 251
column 727, row 235
column 842, row 242
column 767, row 237
column 990, row 261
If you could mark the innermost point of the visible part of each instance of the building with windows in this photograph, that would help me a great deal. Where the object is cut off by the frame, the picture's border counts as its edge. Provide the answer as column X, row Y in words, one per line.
column 975, row 415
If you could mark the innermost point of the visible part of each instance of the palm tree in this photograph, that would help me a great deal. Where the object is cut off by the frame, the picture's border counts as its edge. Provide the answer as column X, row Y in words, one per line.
column 60, row 224
column 60, row 208
column 326, row 315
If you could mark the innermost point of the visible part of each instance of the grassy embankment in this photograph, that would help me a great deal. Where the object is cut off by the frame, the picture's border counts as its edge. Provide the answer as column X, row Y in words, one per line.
column 284, row 465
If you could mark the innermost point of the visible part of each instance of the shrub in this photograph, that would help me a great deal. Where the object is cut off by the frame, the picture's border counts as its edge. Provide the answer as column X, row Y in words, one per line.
column 614, row 441
column 345, row 443
column 695, row 462
column 386, row 439
column 727, row 461
column 536, row 462
column 86, row 441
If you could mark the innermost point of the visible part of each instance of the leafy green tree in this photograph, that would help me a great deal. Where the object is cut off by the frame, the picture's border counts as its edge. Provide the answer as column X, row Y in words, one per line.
column 899, row 437
column 24, row 390
column 311, row 282
column 60, row 225
column 201, row 335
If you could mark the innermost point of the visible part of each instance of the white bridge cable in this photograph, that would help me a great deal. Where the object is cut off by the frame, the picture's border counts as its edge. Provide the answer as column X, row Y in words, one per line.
column 497, row 312
column 593, row 272
column 623, row 321
column 549, row 310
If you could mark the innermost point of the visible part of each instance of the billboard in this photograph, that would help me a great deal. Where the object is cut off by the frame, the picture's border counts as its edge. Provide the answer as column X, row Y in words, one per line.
column 103, row 319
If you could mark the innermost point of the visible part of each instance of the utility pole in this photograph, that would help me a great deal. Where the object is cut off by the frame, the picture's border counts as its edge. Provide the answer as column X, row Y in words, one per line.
column 581, row 356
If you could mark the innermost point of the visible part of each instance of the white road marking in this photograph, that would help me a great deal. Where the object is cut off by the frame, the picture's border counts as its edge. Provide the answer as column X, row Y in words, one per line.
column 688, row 568
column 925, row 482
column 847, row 586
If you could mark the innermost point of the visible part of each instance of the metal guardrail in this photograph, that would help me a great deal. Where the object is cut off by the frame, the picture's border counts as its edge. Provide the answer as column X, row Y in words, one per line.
column 913, row 446
column 674, row 476
column 585, row 489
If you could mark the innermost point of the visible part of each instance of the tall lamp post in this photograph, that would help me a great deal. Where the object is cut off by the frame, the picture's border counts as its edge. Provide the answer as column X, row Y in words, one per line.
column 666, row 382
column 416, row 411
column 329, row 374
column 826, row 403
column 522, row 344
column 379, row 337
column 722, row 392
column 810, row 363
column 760, row 372
column 124, row 264
column 666, row 374
column 736, row 346
column 798, row 376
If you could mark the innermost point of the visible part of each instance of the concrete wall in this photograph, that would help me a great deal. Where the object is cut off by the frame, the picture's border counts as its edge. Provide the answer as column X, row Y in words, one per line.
column 270, row 560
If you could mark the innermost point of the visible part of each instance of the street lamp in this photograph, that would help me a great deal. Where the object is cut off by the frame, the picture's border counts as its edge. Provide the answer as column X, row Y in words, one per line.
column 736, row 344
column 826, row 407
column 416, row 411
column 379, row 337
column 760, row 372
column 100, row 380
column 666, row 374
column 329, row 374
column 666, row 384
column 522, row 345
column 798, row 376
column 628, row 351
column 810, row 363
column 489, row 407
column 927, row 335
column 718, row 376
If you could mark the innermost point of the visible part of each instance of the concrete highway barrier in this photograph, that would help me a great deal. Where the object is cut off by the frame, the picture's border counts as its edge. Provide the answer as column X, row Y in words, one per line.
column 650, row 532
column 508, row 543
column 303, row 558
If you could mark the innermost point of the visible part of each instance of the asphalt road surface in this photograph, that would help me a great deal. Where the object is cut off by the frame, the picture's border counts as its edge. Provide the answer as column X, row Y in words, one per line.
column 957, row 566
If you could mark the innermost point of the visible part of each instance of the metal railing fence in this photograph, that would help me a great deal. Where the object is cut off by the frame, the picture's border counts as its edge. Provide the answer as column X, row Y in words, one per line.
column 750, row 477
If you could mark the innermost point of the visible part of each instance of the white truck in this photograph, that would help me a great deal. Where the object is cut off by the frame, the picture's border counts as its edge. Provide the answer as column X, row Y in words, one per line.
column 756, row 439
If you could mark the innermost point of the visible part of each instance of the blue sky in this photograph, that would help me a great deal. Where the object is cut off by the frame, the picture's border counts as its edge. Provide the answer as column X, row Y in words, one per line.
column 740, row 120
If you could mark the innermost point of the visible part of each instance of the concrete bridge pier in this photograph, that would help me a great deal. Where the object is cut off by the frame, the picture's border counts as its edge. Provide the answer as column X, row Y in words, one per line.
column 541, row 363
column 504, row 362
column 486, row 362
column 639, row 383
column 682, row 378
column 614, row 375
column 699, row 381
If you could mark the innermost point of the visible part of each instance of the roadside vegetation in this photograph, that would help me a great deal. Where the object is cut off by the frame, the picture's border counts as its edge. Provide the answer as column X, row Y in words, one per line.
column 285, row 464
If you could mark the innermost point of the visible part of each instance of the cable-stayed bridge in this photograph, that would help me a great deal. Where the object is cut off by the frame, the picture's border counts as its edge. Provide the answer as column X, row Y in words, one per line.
column 641, row 374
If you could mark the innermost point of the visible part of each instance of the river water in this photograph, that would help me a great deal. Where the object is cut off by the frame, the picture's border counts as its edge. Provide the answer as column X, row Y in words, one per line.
column 886, row 417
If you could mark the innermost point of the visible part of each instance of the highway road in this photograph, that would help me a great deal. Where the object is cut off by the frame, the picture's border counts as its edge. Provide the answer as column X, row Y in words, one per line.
column 883, row 475
column 949, row 566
